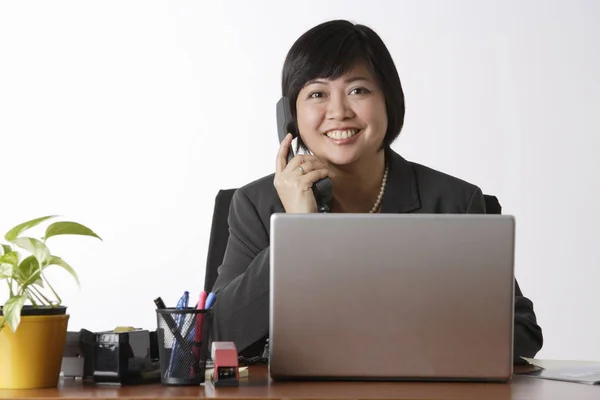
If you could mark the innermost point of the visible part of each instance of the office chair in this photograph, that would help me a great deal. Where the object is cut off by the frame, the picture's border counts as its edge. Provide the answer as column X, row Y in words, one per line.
column 220, row 232
column 492, row 205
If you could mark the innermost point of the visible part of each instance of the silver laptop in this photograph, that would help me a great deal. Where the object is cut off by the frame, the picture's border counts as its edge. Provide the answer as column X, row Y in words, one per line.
column 391, row 297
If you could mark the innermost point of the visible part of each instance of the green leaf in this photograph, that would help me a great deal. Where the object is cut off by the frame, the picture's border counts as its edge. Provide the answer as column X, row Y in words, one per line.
column 8, row 262
column 62, row 263
column 34, row 246
column 68, row 228
column 17, row 230
column 11, row 258
column 6, row 271
column 12, row 311
column 28, row 271
column 5, row 249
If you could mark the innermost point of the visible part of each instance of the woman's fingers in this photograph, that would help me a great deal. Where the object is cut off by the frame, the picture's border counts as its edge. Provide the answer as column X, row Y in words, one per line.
column 299, row 160
column 310, row 165
column 293, row 180
column 282, row 153
column 313, row 176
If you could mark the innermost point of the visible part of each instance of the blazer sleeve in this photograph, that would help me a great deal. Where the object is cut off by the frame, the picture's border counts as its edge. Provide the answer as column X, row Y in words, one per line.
column 528, row 339
column 241, row 309
column 528, row 334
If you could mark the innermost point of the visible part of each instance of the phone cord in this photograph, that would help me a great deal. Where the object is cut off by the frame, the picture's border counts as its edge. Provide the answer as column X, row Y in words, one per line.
column 262, row 359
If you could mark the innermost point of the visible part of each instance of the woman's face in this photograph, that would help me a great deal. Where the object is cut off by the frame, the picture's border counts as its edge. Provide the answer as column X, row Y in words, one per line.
column 342, row 120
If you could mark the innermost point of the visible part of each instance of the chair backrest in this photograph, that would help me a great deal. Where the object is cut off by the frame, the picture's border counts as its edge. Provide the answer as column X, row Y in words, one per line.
column 492, row 205
column 219, row 233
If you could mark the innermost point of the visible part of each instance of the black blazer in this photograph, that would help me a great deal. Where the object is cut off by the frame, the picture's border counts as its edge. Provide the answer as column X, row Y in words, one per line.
column 241, row 311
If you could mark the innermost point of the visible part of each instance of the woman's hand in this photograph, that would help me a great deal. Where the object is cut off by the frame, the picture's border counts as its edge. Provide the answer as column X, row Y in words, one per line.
column 294, row 181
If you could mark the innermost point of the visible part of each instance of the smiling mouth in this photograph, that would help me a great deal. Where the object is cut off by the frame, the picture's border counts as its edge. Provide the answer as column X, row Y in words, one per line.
column 342, row 134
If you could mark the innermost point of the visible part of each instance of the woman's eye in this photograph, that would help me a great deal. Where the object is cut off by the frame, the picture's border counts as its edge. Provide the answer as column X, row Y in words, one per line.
column 359, row 91
column 316, row 95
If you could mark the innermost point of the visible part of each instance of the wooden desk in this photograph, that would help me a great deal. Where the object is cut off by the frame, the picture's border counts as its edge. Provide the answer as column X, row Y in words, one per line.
column 258, row 385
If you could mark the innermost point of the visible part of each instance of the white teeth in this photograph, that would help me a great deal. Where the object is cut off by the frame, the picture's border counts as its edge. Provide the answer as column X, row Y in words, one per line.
column 342, row 134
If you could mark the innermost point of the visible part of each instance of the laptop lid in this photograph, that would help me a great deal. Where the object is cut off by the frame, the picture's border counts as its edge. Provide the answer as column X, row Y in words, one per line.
column 391, row 296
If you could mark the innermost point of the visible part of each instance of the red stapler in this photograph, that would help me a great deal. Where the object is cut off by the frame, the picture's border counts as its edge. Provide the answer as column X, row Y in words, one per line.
column 225, row 364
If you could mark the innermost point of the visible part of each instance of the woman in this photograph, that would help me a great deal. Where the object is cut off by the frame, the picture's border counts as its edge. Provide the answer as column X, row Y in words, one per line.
column 348, row 103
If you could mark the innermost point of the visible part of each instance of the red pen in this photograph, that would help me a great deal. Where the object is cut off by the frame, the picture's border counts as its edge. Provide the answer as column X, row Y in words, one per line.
column 198, row 328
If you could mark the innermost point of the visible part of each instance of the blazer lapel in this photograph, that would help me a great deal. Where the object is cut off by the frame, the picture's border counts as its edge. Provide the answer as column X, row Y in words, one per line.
column 401, row 194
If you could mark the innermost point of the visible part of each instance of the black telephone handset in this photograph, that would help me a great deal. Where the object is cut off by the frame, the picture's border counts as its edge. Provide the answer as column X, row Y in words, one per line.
column 322, row 189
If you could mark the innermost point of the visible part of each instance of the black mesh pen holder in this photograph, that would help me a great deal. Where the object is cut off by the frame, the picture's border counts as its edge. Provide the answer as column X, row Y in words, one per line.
column 183, row 337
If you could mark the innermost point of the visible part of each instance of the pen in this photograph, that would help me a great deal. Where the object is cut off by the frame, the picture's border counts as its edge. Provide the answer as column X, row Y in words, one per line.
column 160, row 304
column 181, row 304
column 198, row 331
column 183, row 301
column 210, row 299
column 199, row 319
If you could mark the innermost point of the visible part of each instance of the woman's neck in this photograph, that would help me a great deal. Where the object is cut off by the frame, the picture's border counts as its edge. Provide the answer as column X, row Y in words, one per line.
column 357, row 186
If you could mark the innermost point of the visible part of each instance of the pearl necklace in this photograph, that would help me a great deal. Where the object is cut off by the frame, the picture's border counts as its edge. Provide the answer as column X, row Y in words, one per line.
column 380, row 197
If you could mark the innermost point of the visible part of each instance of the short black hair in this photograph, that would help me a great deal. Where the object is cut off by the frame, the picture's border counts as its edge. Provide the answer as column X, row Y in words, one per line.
column 332, row 48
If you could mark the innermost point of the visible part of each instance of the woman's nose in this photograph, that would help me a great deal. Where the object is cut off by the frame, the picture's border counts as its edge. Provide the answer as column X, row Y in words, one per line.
column 338, row 108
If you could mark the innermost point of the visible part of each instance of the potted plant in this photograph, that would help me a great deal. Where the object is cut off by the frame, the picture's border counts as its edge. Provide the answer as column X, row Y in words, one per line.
column 33, row 322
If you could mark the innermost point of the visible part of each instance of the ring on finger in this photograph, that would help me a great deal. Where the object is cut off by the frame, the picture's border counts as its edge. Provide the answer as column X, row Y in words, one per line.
column 302, row 170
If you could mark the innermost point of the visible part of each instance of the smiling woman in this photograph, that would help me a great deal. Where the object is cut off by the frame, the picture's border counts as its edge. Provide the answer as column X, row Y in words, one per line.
column 347, row 101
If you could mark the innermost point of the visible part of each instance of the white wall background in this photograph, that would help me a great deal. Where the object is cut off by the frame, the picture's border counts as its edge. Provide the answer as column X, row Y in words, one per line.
column 128, row 116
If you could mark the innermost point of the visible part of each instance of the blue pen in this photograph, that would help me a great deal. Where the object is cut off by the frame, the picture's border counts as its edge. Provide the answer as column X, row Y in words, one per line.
column 210, row 299
column 181, row 304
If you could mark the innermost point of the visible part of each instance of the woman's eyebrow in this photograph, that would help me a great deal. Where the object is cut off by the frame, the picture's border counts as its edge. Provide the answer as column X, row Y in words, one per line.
column 357, row 78
column 316, row 82
column 347, row 80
